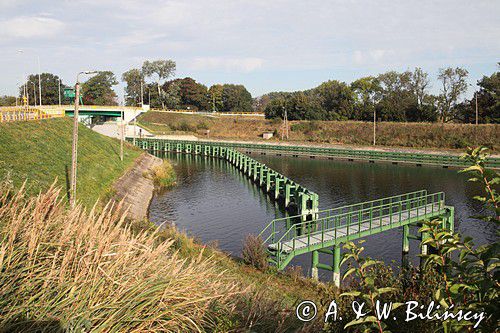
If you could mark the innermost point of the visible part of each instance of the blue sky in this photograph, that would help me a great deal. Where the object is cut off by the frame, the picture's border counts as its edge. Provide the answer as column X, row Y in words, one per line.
column 265, row 45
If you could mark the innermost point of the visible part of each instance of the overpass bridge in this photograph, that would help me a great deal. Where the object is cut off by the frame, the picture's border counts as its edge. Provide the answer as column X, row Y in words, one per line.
column 128, row 113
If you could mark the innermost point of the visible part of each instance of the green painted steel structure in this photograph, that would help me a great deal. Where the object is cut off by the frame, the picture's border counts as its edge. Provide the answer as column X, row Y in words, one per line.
column 285, row 238
column 294, row 197
column 94, row 112
column 337, row 153
column 322, row 231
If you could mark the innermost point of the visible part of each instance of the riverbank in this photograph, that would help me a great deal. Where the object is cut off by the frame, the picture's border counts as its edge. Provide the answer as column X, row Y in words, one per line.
column 136, row 186
column 433, row 136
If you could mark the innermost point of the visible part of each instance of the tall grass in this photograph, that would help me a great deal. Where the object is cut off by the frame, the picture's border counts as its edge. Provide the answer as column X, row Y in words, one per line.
column 163, row 175
column 66, row 269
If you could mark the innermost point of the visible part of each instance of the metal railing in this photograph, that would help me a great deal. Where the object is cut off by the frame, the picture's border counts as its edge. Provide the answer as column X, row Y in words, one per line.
column 281, row 225
column 25, row 114
column 324, row 232
column 344, row 153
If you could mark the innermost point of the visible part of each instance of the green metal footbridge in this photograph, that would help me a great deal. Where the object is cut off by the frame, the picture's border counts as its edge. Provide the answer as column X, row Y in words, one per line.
column 312, row 230
column 289, row 237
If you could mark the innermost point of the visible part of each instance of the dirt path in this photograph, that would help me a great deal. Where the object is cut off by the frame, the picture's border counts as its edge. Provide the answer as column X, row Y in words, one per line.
column 136, row 189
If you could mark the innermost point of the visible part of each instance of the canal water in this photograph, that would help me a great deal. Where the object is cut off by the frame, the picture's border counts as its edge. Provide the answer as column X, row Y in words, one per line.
column 214, row 202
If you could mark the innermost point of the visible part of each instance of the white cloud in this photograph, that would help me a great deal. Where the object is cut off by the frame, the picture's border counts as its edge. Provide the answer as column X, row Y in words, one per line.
column 226, row 63
column 30, row 27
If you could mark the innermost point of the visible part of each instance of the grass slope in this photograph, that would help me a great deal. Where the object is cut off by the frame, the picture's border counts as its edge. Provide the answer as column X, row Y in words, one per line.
column 39, row 151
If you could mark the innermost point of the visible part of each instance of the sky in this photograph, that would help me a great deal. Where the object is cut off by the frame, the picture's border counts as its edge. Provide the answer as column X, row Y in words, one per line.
column 265, row 45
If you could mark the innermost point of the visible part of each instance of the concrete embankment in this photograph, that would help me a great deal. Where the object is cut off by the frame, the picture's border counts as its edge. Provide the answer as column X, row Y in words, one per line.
column 135, row 188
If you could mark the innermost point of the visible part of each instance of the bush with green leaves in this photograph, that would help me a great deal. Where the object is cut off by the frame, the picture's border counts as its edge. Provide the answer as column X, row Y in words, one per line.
column 456, row 274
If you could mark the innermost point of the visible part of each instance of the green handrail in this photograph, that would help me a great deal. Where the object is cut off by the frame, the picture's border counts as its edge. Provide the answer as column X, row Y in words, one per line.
column 295, row 229
column 291, row 219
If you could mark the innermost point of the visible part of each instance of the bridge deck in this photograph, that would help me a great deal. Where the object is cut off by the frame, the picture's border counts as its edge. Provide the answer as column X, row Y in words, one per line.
column 355, row 229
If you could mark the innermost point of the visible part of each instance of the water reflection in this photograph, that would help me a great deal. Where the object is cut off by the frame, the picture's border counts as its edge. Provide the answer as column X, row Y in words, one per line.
column 215, row 201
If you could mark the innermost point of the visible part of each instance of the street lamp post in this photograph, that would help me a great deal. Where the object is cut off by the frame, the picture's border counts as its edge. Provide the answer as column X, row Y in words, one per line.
column 74, row 151
column 23, row 80
column 39, row 79
column 39, row 83
column 59, row 91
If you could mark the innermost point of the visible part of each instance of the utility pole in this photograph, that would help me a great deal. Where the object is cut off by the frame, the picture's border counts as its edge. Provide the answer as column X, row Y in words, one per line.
column 34, row 93
column 142, row 93
column 477, row 113
column 135, row 125
column 374, row 126
column 284, row 129
column 74, row 150
column 25, row 97
column 122, row 124
column 59, row 91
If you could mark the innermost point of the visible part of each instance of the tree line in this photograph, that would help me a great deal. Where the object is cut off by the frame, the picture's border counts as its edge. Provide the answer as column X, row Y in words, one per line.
column 391, row 96
column 183, row 93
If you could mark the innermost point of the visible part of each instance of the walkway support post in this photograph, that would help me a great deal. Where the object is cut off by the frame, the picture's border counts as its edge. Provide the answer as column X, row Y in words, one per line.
column 336, row 265
column 424, row 249
column 314, row 265
column 406, row 245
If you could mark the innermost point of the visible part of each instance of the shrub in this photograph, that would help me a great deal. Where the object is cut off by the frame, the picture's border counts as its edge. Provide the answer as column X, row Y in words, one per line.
column 202, row 125
column 254, row 252
column 163, row 175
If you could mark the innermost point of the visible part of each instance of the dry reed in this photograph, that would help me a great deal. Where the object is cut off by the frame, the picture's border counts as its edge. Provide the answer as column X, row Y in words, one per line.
column 68, row 270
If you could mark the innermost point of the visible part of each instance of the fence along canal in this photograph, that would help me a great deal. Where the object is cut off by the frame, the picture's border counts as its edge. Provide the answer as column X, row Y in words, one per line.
column 394, row 157
column 295, row 198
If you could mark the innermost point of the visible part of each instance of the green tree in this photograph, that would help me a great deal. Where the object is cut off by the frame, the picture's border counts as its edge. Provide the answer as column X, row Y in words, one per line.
column 336, row 99
column 488, row 101
column 215, row 95
column 7, row 100
column 50, row 89
column 489, row 98
column 236, row 98
column 172, row 94
column 193, row 94
column 133, row 78
column 367, row 92
column 396, row 96
column 162, row 69
column 453, row 85
column 98, row 90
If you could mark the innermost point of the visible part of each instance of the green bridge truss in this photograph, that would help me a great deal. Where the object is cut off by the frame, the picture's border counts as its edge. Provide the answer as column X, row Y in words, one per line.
column 311, row 230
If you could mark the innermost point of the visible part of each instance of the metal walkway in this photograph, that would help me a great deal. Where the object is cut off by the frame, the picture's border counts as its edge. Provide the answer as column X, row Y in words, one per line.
column 287, row 237
column 415, row 158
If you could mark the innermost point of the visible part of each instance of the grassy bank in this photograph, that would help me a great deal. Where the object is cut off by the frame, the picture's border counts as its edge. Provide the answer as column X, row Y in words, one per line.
column 139, row 279
column 412, row 135
column 39, row 151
